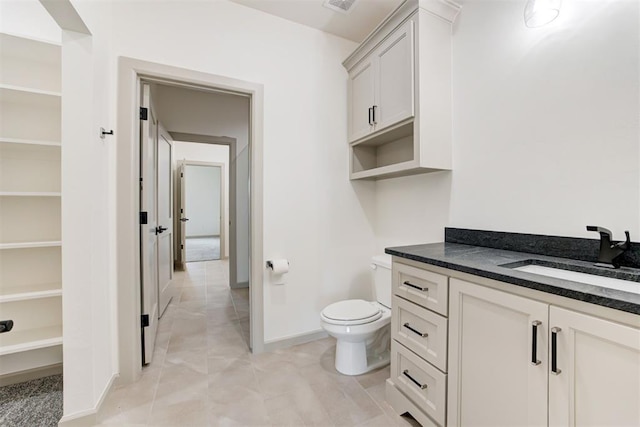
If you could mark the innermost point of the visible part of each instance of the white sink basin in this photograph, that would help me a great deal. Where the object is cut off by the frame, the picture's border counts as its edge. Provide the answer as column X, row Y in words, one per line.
column 591, row 279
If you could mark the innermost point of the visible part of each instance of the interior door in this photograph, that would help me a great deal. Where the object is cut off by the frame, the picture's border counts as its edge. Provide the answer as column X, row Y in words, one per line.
column 165, row 217
column 148, row 236
column 183, row 214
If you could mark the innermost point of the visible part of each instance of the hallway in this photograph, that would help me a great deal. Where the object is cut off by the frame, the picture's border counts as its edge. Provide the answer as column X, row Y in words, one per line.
column 203, row 374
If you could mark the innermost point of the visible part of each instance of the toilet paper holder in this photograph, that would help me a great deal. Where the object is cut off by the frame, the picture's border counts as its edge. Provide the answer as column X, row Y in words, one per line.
column 270, row 264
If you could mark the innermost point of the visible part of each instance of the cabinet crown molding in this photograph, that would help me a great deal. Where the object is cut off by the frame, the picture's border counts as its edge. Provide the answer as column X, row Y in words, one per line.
column 446, row 10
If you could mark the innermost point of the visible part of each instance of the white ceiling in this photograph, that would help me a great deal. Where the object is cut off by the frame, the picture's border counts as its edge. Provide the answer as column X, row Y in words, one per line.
column 355, row 25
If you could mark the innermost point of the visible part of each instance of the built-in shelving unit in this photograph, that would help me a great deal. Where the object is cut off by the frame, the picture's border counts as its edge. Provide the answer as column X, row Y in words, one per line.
column 30, row 204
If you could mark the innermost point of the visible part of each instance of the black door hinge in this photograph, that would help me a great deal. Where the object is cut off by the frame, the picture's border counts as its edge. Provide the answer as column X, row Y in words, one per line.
column 144, row 113
column 145, row 320
column 181, row 175
column 143, row 218
column 181, row 246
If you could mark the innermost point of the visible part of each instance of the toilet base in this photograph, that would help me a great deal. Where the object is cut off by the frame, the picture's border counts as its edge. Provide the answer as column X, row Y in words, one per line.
column 356, row 358
column 351, row 358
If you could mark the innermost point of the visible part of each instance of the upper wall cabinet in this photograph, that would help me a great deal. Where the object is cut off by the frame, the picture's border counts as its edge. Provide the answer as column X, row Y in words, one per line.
column 400, row 93
column 381, row 87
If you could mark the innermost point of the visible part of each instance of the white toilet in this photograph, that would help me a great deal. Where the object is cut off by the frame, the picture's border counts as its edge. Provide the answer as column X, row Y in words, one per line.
column 362, row 328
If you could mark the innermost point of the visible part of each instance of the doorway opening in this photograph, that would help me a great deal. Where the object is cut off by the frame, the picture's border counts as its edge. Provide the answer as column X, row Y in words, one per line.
column 202, row 202
column 203, row 208
column 192, row 123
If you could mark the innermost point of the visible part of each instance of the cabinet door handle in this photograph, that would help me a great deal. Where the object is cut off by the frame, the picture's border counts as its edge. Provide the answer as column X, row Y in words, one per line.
column 375, row 108
column 534, row 342
column 554, row 351
column 415, row 331
column 370, row 116
column 413, row 380
column 411, row 285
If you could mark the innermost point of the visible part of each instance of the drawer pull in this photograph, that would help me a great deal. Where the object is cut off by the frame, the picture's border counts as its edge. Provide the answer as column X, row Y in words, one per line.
column 534, row 342
column 420, row 288
column 415, row 331
column 413, row 380
column 554, row 351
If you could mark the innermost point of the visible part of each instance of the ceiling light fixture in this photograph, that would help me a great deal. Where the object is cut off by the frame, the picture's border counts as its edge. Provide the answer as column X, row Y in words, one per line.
column 540, row 12
column 341, row 6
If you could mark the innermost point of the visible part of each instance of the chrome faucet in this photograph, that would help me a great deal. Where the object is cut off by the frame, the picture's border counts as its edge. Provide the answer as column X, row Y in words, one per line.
column 609, row 251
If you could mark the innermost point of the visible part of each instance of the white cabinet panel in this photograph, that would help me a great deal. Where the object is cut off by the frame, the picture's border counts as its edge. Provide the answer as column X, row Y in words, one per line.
column 395, row 78
column 419, row 381
column 491, row 378
column 421, row 331
column 361, row 100
column 599, row 379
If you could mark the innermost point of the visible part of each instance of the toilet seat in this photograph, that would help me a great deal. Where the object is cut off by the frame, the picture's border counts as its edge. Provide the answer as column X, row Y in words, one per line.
column 351, row 312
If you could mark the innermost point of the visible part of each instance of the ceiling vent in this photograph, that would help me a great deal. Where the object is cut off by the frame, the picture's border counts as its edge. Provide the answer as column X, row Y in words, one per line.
column 341, row 6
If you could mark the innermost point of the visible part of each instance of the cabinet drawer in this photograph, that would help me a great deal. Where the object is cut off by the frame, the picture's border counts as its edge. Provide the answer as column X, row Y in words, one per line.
column 422, row 287
column 420, row 330
column 423, row 384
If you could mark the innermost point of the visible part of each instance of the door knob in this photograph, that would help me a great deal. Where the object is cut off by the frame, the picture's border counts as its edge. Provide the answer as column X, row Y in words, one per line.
column 184, row 219
column 161, row 229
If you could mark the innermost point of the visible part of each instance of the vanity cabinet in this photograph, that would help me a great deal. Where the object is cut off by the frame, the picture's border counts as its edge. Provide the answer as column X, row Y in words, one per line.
column 598, row 361
column 399, row 93
column 492, row 380
column 419, row 330
column 517, row 361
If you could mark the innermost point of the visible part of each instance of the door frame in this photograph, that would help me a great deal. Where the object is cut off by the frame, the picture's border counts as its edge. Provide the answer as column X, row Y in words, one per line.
column 127, row 270
column 223, row 217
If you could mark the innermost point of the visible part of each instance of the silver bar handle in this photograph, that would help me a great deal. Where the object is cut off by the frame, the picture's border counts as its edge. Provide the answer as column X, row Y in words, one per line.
column 415, row 331
column 534, row 342
column 554, row 351
column 411, row 285
column 413, row 380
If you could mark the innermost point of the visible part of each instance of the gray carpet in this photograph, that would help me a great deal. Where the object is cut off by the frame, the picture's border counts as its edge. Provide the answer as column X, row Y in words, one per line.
column 202, row 248
column 32, row 403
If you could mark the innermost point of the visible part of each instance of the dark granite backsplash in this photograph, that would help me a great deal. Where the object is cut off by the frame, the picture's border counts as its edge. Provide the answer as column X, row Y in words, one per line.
column 556, row 246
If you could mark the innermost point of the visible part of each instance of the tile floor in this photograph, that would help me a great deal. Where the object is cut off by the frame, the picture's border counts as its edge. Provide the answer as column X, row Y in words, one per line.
column 203, row 373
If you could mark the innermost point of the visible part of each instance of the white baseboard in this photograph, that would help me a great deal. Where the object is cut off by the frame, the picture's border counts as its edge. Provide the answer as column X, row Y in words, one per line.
column 88, row 417
column 30, row 374
column 295, row 340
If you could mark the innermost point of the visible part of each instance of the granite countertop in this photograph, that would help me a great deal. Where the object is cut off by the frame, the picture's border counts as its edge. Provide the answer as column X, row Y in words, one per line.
column 498, row 264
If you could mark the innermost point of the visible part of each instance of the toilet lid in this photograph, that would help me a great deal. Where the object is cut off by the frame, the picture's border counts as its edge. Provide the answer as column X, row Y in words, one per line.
column 355, row 311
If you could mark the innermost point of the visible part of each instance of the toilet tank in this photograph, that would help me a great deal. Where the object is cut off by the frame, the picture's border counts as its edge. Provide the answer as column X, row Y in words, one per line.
column 381, row 272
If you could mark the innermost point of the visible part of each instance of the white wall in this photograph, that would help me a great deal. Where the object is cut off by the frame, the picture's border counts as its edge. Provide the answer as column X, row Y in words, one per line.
column 28, row 18
column 313, row 215
column 212, row 154
column 202, row 200
column 545, row 125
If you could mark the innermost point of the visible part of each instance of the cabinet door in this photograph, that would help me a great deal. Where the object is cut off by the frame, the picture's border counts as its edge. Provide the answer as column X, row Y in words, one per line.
column 599, row 379
column 492, row 380
column 394, row 78
column 361, row 92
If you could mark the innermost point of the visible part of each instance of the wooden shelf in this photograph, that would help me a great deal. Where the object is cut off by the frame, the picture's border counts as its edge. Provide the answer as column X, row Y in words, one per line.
column 6, row 91
column 22, row 293
column 30, row 339
column 27, row 245
column 30, row 142
column 29, row 194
